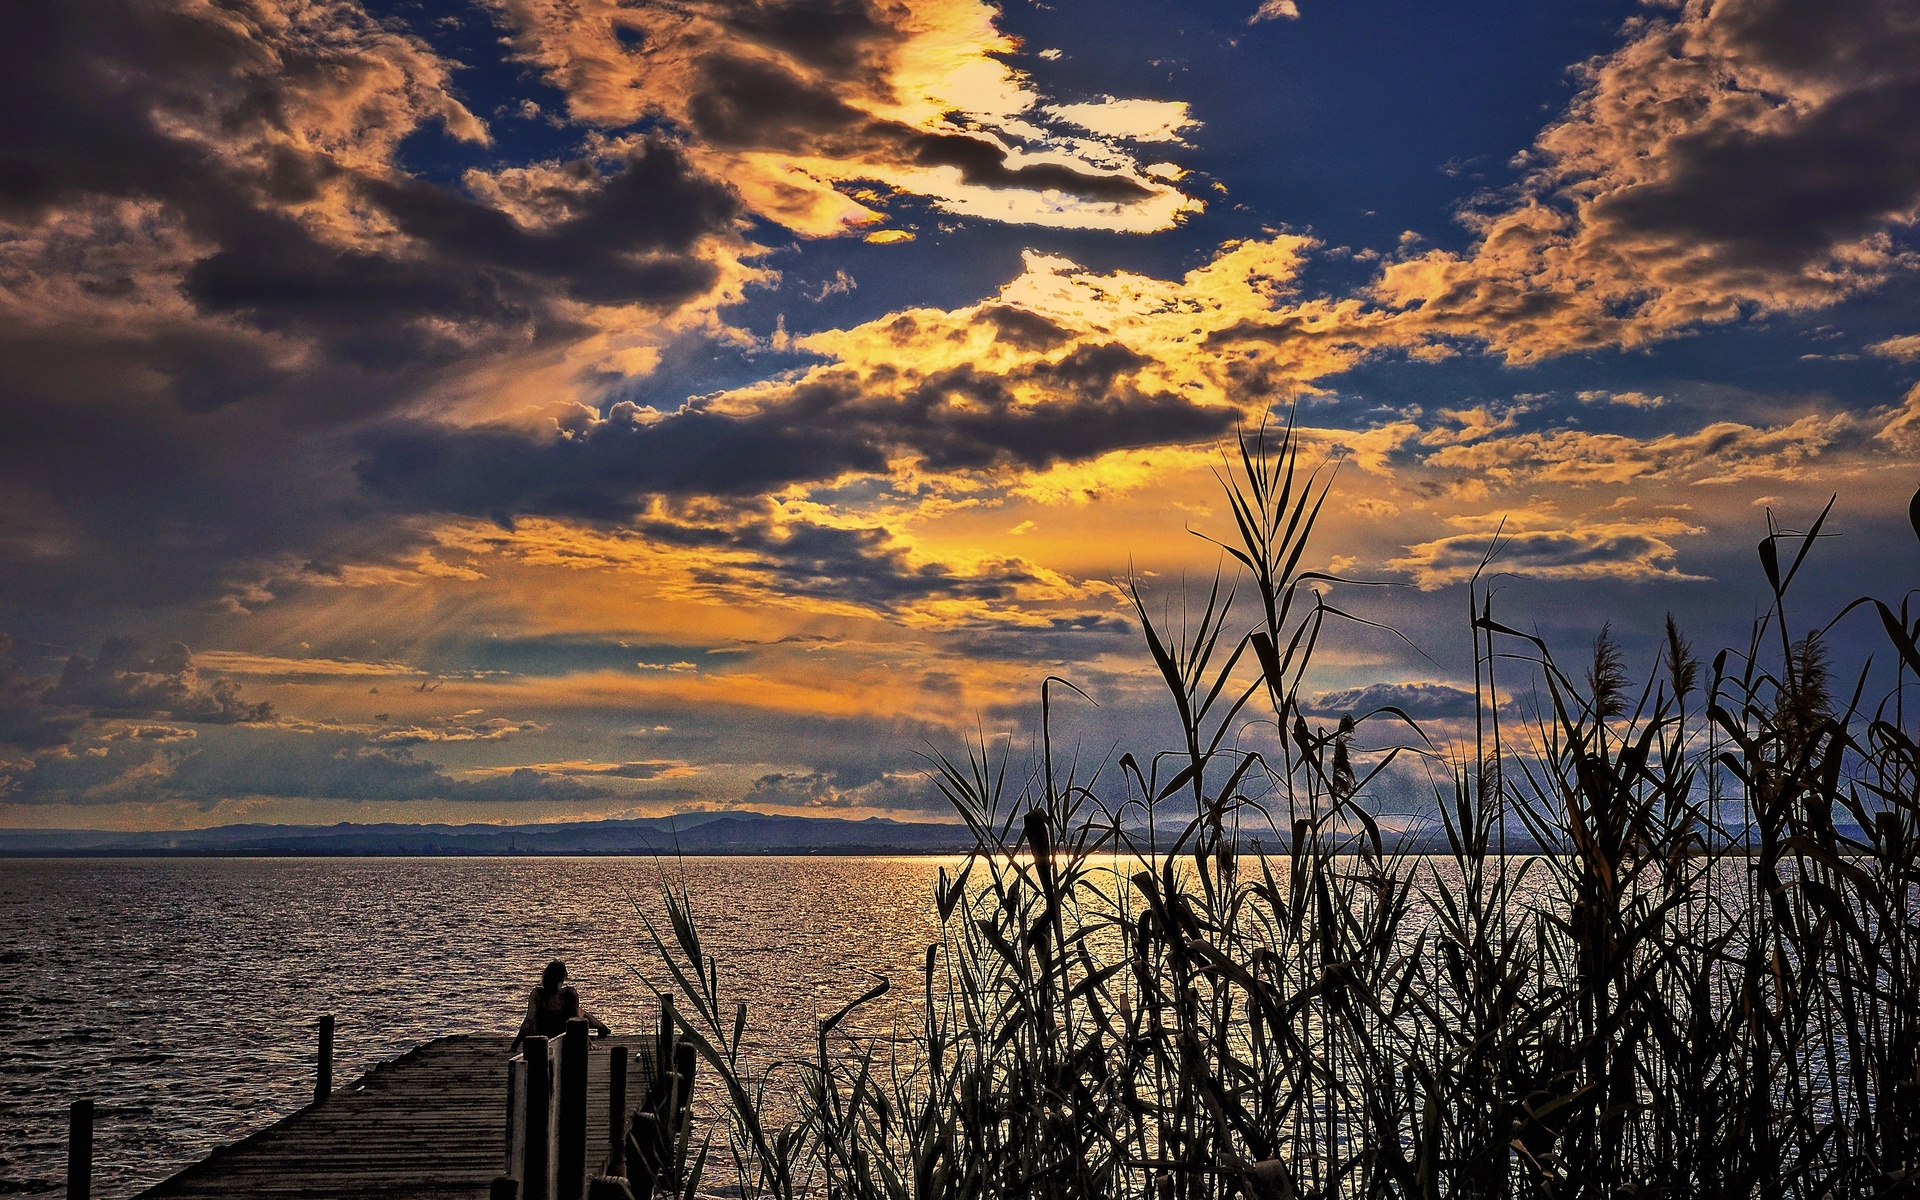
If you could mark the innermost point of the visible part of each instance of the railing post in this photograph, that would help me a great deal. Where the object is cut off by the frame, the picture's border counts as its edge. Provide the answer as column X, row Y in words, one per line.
column 323, row 1074
column 617, row 1110
column 80, row 1150
column 516, row 1115
column 536, row 1165
column 570, row 1157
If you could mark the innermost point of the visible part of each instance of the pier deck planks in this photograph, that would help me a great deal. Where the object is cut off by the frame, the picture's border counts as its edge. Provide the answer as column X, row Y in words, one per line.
column 431, row 1123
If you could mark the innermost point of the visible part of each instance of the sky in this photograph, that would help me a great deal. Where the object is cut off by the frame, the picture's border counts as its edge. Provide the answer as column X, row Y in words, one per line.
column 524, row 410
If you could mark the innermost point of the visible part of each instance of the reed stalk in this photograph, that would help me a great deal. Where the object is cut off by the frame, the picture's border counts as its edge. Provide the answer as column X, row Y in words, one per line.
column 1207, row 972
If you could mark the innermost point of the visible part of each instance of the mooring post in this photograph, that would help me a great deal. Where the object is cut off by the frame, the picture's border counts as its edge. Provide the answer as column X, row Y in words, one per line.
column 617, row 1110
column 80, row 1150
column 323, row 1073
column 570, row 1160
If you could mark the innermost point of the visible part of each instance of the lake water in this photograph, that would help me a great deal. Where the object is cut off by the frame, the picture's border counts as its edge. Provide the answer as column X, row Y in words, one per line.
column 181, row 994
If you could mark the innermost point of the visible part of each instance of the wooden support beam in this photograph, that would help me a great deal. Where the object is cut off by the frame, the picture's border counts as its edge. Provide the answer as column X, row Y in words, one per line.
column 323, row 1073
column 570, row 1148
column 616, row 1110
column 80, row 1150
column 663, row 1048
column 536, row 1167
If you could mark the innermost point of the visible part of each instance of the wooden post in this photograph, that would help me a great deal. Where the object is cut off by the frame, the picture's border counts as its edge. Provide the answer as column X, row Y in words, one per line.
column 570, row 1156
column 643, row 1157
column 683, row 1067
column 503, row 1188
column 80, row 1150
column 616, row 1110
column 323, row 1075
column 537, row 1165
column 663, row 1045
column 516, row 1115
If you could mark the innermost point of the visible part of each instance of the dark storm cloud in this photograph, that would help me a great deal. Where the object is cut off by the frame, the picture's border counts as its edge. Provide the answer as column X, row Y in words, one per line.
column 837, row 38
column 27, row 721
column 121, row 681
column 816, row 431
column 631, row 240
column 229, row 271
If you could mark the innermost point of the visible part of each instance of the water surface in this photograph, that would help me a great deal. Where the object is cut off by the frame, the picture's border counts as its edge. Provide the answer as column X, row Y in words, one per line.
column 181, row 994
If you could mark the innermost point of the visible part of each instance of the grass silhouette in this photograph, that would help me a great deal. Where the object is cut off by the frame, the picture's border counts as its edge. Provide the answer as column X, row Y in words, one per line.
column 1701, row 979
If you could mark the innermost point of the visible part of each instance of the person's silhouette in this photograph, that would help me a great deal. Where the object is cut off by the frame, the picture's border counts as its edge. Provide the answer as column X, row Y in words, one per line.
column 570, row 1009
column 546, row 1016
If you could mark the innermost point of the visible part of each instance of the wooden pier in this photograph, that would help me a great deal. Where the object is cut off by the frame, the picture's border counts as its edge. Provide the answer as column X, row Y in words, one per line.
column 432, row 1123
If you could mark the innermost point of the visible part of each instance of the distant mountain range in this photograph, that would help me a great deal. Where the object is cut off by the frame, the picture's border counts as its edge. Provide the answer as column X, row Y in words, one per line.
column 683, row 833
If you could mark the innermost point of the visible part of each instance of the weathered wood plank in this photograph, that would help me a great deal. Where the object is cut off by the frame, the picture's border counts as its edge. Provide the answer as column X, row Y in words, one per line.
column 430, row 1123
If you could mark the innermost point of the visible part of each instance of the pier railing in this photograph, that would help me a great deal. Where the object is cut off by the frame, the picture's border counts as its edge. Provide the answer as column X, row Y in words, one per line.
column 547, row 1155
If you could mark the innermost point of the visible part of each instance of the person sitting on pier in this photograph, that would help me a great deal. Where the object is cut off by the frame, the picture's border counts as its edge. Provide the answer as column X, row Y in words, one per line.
column 545, row 1015
column 570, row 1010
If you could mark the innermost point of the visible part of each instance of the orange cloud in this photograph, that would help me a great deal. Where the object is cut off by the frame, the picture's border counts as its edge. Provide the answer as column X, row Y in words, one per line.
column 1543, row 543
column 790, row 104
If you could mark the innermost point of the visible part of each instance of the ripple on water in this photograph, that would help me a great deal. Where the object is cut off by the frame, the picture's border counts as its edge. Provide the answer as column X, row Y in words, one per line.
column 180, row 994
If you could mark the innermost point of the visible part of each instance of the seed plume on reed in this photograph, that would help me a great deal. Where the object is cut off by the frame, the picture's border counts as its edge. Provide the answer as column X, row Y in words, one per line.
column 1207, row 972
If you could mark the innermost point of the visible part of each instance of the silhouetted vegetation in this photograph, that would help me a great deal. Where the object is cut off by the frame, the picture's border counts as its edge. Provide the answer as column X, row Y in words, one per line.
column 1706, row 984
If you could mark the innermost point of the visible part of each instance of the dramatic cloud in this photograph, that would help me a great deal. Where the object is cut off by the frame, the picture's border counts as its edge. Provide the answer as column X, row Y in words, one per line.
column 212, row 262
column 481, row 416
column 27, row 721
column 1719, row 452
column 1417, row 700
column 120, row 682
column 269, row 763
column 1132, row 120
column 787, row 101
column 1905, row 349
column 1546, row 544
column 960, row 418
column 1736, row 156
column 1630, row 399
column 462, row 727
column 822, row 789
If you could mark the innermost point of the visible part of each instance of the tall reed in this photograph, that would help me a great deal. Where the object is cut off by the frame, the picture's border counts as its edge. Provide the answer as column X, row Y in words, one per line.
column 1206, row 972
